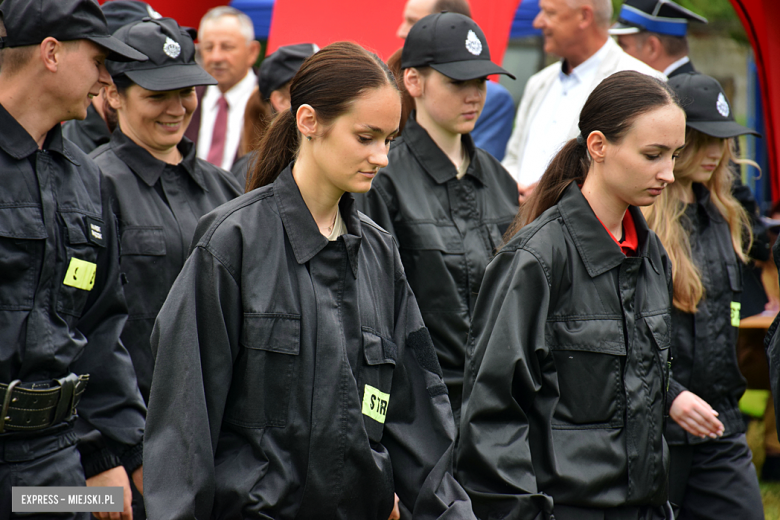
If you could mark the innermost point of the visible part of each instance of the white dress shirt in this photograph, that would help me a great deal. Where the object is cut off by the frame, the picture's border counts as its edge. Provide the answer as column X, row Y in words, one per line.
column 237, row 98
column 676, row 65
column 550, row 126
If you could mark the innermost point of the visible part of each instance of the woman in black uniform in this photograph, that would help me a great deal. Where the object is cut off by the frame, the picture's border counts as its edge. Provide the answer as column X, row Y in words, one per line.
column 706, row 232
column 157, row 187
column 564, row 389
column 445, row 201
column 295, row 377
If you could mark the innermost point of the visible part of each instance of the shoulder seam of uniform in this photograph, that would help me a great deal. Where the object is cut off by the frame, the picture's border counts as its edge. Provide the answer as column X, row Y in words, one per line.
column 223, row 261
column 206, row 238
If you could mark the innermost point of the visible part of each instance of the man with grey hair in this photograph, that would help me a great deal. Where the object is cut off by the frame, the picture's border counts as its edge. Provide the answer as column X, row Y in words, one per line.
column 578, row 32
column 228, row 50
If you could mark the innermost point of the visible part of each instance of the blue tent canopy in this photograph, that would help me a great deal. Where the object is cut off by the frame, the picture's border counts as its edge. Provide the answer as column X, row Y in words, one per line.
column 260, row 12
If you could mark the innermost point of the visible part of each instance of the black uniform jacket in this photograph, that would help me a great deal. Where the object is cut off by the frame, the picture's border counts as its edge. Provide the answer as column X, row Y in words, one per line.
column 294, row 376
column 566, row 378
column 57, row 317
column 447, row 231
column 158, row 206
column 704, row 344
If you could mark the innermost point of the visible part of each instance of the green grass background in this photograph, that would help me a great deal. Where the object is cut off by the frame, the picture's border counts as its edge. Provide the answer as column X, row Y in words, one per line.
column 770, row 491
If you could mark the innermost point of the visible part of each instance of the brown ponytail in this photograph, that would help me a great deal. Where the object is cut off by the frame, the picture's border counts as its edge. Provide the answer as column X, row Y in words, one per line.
column 611, row 109
column 329, row 81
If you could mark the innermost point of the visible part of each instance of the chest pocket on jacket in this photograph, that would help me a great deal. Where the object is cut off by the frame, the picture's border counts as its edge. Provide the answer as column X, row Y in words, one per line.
column 79, row 265
column 142, row 251
column 375, row 381
column 22, row 235
column 149, row 241
column 588, row 357
column 264, row 371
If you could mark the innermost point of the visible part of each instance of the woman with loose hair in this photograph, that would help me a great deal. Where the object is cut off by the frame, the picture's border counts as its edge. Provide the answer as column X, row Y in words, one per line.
column 564, row 387
column 294, row 375
column 706, row 233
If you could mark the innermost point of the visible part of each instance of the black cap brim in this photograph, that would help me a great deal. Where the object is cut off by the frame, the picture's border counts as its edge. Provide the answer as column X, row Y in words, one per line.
column 172, row 77
column 469, row 69
column 722, row 129
column 118, row 51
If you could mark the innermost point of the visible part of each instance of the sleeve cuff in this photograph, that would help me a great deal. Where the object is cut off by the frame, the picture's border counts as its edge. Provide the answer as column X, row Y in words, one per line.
column 133, row 458
column 675, row 389
column 98, row 461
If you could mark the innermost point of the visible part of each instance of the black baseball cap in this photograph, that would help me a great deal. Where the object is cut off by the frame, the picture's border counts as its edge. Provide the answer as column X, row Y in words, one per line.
column 658, row 16
column 123, row 12
column 706, row 107
column 29, row 22
column 171, row 54
column 279, row 67
column 451, row 44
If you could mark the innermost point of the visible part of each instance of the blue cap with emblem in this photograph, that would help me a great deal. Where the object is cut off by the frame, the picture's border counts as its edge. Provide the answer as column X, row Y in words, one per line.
column 658, row 16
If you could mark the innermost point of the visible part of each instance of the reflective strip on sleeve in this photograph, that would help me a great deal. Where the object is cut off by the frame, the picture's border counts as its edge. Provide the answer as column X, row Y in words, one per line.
column 735, row 308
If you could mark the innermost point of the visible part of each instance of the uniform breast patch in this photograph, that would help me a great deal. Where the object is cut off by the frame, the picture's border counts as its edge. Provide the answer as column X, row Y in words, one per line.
column 375, row 404
column 81, row 274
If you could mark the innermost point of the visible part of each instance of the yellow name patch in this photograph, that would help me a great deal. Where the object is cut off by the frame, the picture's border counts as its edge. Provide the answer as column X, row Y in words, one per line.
column 735, row 308
column 375, row 403
column 81, row 274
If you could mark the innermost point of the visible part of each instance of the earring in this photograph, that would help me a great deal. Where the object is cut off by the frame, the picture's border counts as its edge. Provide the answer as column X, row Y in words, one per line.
column 308, row 137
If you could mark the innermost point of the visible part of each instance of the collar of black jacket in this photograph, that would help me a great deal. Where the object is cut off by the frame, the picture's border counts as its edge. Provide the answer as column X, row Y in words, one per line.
column 704, row 202
column 94, row 127
column 598, row 251
column 434, row 161
column 17, row 143
column 305, row 237
column 148, row 167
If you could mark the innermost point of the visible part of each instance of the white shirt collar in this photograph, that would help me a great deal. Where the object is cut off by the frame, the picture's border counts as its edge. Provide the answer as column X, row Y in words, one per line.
column 676, row 65
column 242, row 89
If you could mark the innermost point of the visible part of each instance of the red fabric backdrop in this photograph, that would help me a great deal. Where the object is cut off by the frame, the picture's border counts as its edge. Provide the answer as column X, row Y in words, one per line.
column 759, row 18
column 186, row 12
column 374, row 24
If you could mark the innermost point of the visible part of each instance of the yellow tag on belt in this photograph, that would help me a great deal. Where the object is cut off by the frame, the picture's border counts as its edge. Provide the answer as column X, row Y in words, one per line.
column 735, row 308
column 375, row 403
column 81, row 274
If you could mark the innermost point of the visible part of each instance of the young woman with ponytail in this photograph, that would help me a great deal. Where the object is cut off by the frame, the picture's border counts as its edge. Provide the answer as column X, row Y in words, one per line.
column 564, row 387
column 294, row 375
column 706, row 233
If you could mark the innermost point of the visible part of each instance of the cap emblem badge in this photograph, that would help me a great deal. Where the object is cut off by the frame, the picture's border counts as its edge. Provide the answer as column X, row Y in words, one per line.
column 473, row 45
column 723, row 105
column 171, row 48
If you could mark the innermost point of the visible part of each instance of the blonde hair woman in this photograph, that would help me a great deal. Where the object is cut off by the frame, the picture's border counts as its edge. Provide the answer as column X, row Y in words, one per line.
column 706, row 234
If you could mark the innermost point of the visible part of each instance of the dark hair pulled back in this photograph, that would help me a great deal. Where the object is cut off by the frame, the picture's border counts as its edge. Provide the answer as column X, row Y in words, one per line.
column 329, row 81
column 611, row 108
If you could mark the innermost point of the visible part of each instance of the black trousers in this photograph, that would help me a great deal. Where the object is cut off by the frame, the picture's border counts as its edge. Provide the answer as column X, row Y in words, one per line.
column 52, row 460
column 715, row 480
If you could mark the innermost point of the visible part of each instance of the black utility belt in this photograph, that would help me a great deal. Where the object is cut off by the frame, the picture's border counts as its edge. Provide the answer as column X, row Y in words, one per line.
column 35, row 406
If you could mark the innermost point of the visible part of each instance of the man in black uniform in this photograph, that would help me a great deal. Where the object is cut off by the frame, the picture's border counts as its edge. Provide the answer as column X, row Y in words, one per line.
column 94, row 130
column 654, row 31
column 61, row 301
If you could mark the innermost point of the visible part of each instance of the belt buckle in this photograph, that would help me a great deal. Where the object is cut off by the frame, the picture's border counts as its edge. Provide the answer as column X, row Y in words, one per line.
column 7, row 399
